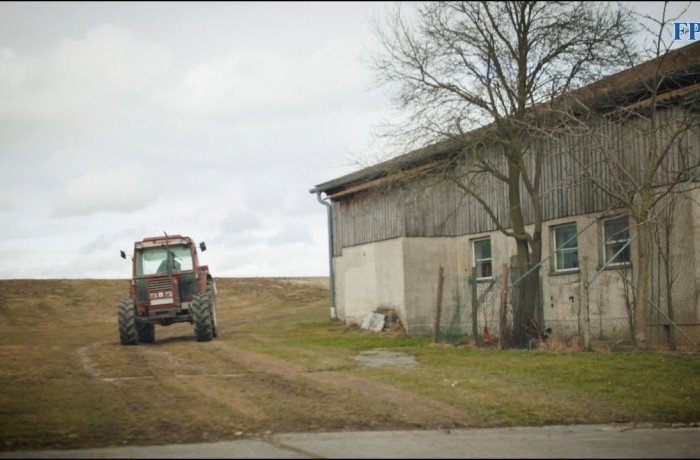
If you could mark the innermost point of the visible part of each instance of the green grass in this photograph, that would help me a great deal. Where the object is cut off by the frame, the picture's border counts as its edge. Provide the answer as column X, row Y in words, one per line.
column 514, row 387
column 281, row 365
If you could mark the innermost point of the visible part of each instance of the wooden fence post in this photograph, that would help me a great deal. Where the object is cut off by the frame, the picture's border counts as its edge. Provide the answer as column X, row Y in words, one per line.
column 586, row 307
column 438, row 304
column 503, row 311
column 475, row 308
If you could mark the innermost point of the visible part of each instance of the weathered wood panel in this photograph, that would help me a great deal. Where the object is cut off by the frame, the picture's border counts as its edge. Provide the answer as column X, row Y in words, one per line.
column 431, row 208
column 367, row 217
column 615, row 155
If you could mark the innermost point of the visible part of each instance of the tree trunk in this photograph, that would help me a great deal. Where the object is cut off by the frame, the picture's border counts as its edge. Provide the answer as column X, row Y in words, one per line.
column 527, row 305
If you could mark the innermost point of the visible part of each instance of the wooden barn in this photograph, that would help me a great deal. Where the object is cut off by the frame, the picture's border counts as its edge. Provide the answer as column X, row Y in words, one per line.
column 394, row 226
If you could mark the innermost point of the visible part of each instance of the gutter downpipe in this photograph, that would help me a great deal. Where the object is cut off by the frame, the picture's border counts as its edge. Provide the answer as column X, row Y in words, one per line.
column 329, row 213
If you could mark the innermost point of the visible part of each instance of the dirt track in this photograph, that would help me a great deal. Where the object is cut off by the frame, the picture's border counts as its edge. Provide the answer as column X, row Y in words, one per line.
column 281, row 366
column 179, row 390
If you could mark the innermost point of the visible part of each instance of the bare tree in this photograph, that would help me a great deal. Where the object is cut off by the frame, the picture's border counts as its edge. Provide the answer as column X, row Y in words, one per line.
column 645, row 149
column 457, row 66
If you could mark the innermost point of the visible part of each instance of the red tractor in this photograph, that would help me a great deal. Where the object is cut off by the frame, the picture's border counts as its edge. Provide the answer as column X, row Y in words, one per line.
column 167, row 286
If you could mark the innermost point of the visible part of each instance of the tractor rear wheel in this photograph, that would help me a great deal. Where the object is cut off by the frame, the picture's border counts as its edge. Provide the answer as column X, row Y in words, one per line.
column 147, row 332
column 202, row 318
column 128, row 334
column 212, row 297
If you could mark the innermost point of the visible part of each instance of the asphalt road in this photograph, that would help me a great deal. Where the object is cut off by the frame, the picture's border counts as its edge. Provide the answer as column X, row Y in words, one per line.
column 578, row 441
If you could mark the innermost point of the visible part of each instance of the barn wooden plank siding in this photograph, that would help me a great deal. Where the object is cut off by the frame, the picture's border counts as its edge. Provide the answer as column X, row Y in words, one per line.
column 397, row 224
column 431, row 204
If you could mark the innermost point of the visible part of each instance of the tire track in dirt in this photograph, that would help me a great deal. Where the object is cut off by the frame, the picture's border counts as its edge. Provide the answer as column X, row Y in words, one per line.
column 414, row 407
column 175, row 371
column 260, row 362
column 94, row 370
column 164, row 360
column 151, row 359
column 147, row 359
column 226, row 395
column 410, row 408
column 89, row 366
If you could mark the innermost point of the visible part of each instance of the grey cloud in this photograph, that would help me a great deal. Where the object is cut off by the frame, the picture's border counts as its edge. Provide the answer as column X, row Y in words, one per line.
column 97, row 244
column 291, row 234
column 237, row 222
column 104, row 191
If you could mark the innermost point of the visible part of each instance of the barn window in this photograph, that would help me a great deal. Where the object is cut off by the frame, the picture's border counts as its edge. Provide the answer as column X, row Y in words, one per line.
column 616, row 234
column 566, row 245
column 482, row 258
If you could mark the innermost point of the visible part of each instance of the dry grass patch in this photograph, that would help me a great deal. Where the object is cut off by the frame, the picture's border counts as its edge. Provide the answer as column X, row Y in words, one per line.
column 280, row 364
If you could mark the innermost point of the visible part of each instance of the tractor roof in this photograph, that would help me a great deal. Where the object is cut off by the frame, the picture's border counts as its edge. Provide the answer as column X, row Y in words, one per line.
column 157, row 241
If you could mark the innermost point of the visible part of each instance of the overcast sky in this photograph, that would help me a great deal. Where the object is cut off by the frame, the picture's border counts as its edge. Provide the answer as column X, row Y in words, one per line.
column 211, row 120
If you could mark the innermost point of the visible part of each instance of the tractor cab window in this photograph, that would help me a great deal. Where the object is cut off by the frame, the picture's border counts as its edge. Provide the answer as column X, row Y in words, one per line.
column 163, row 260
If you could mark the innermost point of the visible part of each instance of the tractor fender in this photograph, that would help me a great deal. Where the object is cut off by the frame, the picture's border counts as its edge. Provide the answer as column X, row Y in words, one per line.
column 203, row 277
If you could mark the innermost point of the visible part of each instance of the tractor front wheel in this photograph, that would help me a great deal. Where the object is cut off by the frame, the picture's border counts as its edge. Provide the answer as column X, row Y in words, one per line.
column 128, row 333
column 202, row 318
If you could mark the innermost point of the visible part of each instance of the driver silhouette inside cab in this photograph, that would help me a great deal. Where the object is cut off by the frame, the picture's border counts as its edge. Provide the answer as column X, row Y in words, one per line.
column 171, row 263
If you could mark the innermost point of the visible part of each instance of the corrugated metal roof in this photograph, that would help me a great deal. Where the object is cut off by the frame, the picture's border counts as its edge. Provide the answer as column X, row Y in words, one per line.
column 382, row 180
column 401, row 163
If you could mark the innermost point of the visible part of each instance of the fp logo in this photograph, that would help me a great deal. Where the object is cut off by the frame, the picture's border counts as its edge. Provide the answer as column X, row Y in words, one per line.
column 681, row 29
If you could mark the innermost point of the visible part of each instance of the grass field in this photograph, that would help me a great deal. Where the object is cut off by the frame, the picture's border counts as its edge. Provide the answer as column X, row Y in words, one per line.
column 281, row 365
